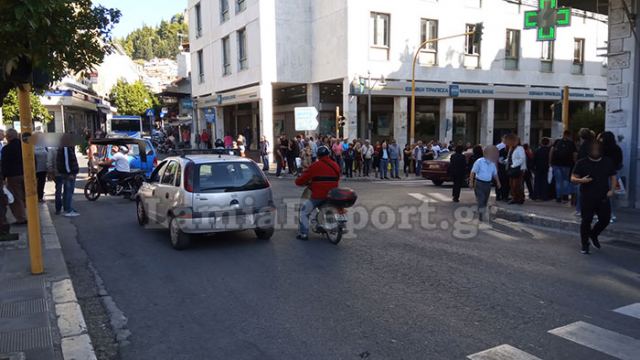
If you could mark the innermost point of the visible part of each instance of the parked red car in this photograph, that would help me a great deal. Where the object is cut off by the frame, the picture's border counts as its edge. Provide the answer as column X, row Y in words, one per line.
column 438, row 170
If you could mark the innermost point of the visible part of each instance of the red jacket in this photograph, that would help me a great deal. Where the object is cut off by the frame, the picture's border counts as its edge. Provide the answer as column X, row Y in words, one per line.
column 323, row 175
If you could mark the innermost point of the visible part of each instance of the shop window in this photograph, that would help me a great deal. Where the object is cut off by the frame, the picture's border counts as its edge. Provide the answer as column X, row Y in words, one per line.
column 224, row 10
column 512, row 50
column 578, row 57
column 546, row 58
column 429, row 31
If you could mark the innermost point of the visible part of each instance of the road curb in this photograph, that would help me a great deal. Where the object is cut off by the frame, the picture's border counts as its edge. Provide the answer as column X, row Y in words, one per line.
column 75, row 341
column 556, row 223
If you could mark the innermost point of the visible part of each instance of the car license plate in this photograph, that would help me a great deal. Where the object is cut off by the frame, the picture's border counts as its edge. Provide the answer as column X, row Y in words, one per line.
column 434, row 166
column 341, row 218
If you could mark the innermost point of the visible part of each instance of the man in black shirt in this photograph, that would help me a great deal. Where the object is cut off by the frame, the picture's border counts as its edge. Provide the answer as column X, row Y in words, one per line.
column 596, row 176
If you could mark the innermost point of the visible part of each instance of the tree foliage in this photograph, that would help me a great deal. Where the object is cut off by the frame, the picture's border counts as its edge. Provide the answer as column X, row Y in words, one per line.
column 10, row 110
column 42, row 40
column 132, row 99
column 162, row 41
column 590, row 119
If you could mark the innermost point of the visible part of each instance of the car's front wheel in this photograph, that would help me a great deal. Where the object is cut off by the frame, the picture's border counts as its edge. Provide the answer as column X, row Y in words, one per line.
column 264, row 234
column 179, row 239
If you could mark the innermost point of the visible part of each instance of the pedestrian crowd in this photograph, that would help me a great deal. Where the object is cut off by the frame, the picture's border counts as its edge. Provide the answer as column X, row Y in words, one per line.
column 356, row 157
column 56, row 164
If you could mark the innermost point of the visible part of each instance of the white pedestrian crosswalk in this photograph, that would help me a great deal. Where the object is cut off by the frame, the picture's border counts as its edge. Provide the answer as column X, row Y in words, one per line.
column 503, row 352
column 605, row 341
column 632, row 310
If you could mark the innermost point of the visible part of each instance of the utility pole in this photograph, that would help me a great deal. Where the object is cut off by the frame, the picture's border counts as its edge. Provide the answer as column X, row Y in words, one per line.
column 337, row 122
column 369, row 121
column 565, row 108
column 28, row 162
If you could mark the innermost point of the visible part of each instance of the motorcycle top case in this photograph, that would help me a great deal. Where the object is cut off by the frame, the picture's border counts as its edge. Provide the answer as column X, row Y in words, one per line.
column 342, row 197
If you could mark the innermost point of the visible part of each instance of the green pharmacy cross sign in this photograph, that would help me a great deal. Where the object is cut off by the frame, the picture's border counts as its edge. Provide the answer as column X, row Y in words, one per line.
column 547, row 19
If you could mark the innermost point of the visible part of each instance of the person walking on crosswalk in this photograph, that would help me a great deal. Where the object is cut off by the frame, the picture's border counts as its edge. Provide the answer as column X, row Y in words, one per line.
column 484, row 171
column 596, row 175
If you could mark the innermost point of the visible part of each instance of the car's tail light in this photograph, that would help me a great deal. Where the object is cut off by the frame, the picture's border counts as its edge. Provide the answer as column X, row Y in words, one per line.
column 188, row 177
column 155, row 162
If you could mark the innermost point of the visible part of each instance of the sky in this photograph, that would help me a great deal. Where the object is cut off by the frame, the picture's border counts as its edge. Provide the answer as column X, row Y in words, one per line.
column 138, row 12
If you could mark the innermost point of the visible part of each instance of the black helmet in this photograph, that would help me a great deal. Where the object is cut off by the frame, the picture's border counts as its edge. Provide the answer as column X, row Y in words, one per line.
column 323, row 151
column 219, row 143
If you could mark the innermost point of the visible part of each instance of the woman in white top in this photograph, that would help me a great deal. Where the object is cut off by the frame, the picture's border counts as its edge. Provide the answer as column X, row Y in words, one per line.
column 516, row 165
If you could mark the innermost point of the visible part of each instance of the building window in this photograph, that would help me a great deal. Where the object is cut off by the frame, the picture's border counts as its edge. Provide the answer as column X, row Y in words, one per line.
column 198, row 20
column 241, row 5
column 471, row 47
column 578, row 56
column 546, row 58
column 226, row 56
column 224, row 10
column 429, row 31
column 512, row 50
column 242, row 49
column 380, row 30
column 200, row 66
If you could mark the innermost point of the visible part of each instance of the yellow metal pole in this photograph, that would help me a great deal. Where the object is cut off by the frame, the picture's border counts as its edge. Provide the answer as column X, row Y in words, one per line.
column 337, row 122
column 28, row 162
column 565, row 108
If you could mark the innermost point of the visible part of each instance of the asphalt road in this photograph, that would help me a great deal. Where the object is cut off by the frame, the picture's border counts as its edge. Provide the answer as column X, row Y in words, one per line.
column 381, row 294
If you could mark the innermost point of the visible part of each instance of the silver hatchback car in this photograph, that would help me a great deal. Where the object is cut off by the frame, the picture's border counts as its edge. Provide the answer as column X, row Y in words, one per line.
column 205, row 194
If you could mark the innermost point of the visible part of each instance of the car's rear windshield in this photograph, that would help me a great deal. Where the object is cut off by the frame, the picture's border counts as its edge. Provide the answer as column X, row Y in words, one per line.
column 228, row 177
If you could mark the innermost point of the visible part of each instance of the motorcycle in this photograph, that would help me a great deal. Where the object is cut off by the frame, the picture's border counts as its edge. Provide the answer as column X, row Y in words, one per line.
column 330, row 218
column 127, row 186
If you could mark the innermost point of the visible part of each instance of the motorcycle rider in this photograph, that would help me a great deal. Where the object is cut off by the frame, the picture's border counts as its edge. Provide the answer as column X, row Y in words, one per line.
column 120, row 161
column 321, row 177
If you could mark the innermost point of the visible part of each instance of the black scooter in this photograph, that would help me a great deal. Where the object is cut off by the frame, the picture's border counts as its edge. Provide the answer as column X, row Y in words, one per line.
column 127, row 186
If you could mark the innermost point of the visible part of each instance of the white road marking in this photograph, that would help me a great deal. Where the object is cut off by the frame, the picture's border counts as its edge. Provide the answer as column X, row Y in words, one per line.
column 632, row 310
column 439, row 196
column 503, row 352
column 602, row 340
column 422, row 198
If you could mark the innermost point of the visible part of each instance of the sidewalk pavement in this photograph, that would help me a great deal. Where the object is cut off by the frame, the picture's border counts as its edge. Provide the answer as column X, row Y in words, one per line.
column 39, row 314
column 562, row 216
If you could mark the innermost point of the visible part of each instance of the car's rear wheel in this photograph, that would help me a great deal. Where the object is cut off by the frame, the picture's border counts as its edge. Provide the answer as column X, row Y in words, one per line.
column 179, row 239
column 437, row 182
column 143, row 219
column 265, row 234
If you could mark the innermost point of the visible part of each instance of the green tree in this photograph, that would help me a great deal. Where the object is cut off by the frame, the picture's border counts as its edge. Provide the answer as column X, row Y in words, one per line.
column 162, row 41
column 42, row 40
column 132, row 99
column 590, row 119
column 10, row 111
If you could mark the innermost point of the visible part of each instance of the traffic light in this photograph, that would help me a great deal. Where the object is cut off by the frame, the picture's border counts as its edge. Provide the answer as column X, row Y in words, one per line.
column 477, row 33
column 342, row 121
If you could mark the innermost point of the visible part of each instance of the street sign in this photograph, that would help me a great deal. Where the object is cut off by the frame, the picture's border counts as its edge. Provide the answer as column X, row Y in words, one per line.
column 210, row 115
column 547, row 19
column 306, row 118
column 150, row 113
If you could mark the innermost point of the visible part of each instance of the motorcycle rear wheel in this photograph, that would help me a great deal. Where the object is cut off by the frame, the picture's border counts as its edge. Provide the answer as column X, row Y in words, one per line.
column 92, row 190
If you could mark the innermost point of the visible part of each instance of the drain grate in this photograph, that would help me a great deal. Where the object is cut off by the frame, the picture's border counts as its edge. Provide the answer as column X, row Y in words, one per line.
column 14, row 356
column 21, row 308
column 13, row 285
column 36, row 338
